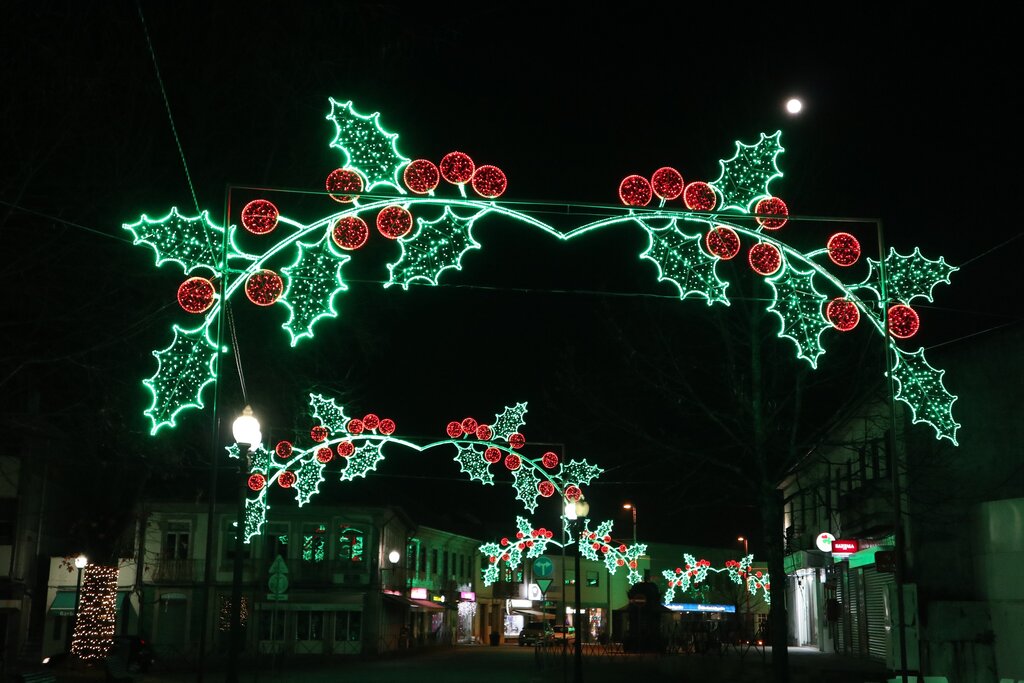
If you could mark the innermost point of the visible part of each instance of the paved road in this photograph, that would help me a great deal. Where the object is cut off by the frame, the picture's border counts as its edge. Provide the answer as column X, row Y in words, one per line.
column 510, row 664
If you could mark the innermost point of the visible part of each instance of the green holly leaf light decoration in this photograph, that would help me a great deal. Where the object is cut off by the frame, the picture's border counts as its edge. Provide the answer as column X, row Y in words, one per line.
column 508, row 422
column 909, row 277
column 746, row 176
column 435, row 247
column 190, row 241
column 681, row 261
column 579, row 472
column 919, row 385
column 472, row 462
column 525, row 484
column 311, row 282
column 330, row 414
column 308, row 477
column 183, row 369
column 255, row 516
column 799, row 307
column 366, row 146
column 362, row 461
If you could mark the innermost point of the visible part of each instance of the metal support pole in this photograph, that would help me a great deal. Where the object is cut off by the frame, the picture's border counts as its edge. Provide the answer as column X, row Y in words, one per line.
column 897, row 503
column 634, row 525
column 74, row 615
column 578, row 644
column 235, row 642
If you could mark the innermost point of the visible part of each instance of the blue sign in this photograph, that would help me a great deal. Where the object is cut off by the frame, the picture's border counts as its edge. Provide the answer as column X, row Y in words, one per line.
column 543, row 567
column 693, row 607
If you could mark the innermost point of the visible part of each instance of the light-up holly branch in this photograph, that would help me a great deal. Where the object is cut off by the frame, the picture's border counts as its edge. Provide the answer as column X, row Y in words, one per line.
column 353, row 447
column 435, row 233
column 694, row 572
column 531, row 543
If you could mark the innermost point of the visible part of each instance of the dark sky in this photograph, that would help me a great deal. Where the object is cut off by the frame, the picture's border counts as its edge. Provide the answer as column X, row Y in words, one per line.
column 906, row 119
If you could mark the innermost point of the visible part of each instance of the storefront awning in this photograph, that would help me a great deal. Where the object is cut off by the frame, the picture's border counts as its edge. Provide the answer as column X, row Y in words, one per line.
column 413, row 603
column 535, row 613
column 63, row 604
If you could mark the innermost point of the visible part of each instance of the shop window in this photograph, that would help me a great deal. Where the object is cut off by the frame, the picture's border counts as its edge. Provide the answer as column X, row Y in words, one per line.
column 177, row 535
column 309, row 625
column 347, row 626
column 314, row 543
column 593, row 578
column 351, row 546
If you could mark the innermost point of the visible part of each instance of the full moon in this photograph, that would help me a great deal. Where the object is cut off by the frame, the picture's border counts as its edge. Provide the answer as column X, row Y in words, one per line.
column 793, row 106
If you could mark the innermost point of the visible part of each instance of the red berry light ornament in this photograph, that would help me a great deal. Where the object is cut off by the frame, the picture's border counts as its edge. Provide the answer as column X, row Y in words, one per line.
column 667, row 183
column 903, row 321
column 257, row 481
column 394, row 222
column 489, row 181
column 484, row 432
column 635, row 190
column 355, row 426
column 843, row 249
column 844, row 315
column 259, row 216
column 421, row 176
column 284, row 449
column 573, row 493
column 469, row 426
column 549, row 459
column 324, row 454
column 513, row 461
column 286, row 479
column 454, row 429
column 492, row 454
column 457, row 168
column 264, row 287
column 546, row 489
column 195, row 295
column 318, row 433
column 350, row 233
column 346, row 448
column 516, row 440
column 764, row 258
column 387, row 426
column 371, row 421
column 342, row 180
column 722, row 242
column 771, row 206
column 699, row 196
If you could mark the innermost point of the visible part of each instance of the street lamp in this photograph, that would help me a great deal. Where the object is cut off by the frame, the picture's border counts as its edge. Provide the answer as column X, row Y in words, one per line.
column 631, row 507
column 246, row 430
column 80, row 563
column 746, row 590
column 576, row 512
column 393, row 557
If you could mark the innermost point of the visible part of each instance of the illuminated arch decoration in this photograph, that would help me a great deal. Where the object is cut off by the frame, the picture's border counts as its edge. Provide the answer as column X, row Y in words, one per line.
column 694, row 572
column 354, row 447
column 440, row 238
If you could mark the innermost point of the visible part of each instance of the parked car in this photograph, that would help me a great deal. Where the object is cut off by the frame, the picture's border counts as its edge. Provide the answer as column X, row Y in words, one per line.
column 535, row 632
column 564, row 633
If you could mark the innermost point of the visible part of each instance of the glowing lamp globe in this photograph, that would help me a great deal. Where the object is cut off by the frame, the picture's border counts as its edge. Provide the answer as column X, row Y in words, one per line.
column 81, row 561
column 582, row 507
column 394, row 557
column 246, row 429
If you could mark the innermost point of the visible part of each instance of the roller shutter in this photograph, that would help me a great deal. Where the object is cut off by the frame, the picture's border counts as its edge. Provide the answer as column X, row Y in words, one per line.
column 875, row 586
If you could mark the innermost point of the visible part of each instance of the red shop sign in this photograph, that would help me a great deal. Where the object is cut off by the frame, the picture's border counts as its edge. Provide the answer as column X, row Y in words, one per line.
column 845, row 547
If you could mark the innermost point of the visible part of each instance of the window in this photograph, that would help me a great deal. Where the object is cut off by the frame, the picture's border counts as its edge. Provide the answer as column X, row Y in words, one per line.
column 347, row 626
column 176, row 540
column 314, row 543
column 444, row 569
column 433, row 560
column 351, row 546
column 593, row 578
column 277, row 541
column 422, row 560
column 229, row 542
column 309, row 625
column 272, row 625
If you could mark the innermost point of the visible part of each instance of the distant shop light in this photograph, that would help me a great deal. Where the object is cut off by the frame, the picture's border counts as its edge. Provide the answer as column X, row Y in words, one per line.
column 694, row 607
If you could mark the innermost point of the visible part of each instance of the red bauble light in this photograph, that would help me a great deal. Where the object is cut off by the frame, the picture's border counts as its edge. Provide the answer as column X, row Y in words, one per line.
column 484, row 432
column 283, row 449
column 699, row 196
column 546, row 489
column 355, row 426
column 387, row 426
column 264, row 287
column 619, row 562
column 346, row 448
column 903, row 321
column 843, row 249
column 371, row 421
column 513, row 461
column 632, row 564
column 324, row 454
column 454, row 429
column 667, row 183
column 259, row 216
column 457, row 168
column 421, row 176
column 843, row 314
column 350, row 233
column 489, row 181
column 286, row 479
column 318, row 433
column 469, row 426
column 764, row 258
column 771, row 206
column 635, row 190
column 196, row 294
column 504, row 540
column 257, row 481
column 722, row 242
column 549, row 459
column 492, row 454
column 343, row 180
column 394, row 222
column 573, row 493
column 622, row 548
column 516, row 440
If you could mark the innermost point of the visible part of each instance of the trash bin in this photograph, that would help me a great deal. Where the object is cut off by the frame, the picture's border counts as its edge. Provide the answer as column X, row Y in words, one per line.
column 494, row 638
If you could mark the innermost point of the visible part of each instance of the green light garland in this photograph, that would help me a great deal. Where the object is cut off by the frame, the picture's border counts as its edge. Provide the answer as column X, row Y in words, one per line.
column 745, row 177
column 366, row 146
column 444, row 236
column 799, row 307
column 694, row 572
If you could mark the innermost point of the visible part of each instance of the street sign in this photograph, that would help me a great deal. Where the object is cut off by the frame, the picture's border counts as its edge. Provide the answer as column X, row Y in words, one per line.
column 278, row 581
column 276, row 596
column 543, row 567
column 544, row 584
column 845, row 547
column 825, row 541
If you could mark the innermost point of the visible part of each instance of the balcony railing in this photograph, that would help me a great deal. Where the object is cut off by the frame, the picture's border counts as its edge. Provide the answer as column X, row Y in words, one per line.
column 177, row 571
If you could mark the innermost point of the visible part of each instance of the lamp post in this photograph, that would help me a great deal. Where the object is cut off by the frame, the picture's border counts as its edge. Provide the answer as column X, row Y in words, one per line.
column 632, row 508
column 576, row 512
column 393, row 557
column 246, row 430
column 80, row 563
column 746, row 591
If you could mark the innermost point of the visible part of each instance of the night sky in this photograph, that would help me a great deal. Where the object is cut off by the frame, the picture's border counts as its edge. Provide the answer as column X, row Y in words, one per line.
column 906, row 119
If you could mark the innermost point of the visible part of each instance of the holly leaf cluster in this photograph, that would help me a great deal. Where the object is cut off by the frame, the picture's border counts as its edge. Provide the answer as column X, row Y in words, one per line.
column 331, row 415
column 366, row 147
column 362, row 461
column 191, row 241
column 682, row 262
column 308, row 477
column 920, row 386
column 798, row 305
column 525, row 484
column 746, row 176
column 579, row 472
column 908, row 277
column 471, row 462
column 311, row 282
column 508, row 421
column 183, row 370
column 436, row 246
